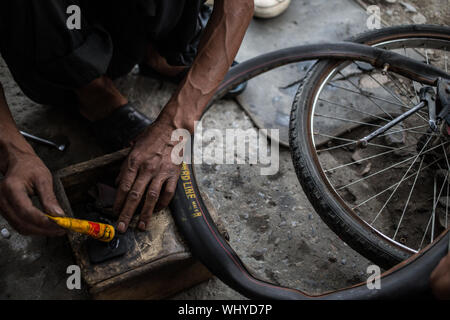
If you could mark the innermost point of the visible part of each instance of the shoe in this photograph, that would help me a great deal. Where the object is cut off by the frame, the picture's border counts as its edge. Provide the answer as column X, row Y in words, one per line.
column 148, row 71
column 270, row 8
column 119, row 129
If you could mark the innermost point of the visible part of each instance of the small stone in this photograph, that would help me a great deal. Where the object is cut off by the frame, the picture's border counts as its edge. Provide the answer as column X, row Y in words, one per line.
column 5, row 233
column 396, row 137
column 356, row 156
column 258, row 255
column 366, row 169
column 408, row 7
column 419, row 18
column 332, row 259
column 391, row 1
column 244, row 216
column 310, row 216
column 343, row 262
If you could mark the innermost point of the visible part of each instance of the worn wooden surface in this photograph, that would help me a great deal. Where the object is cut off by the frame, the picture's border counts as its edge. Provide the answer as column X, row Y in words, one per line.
column 159, row 262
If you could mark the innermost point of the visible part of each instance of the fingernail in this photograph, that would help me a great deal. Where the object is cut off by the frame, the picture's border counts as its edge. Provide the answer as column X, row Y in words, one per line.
column 58, row 211
column 121, row 227
column 142, row 225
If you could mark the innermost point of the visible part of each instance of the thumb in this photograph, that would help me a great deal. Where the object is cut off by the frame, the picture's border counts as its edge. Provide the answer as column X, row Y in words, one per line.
column 44, row 188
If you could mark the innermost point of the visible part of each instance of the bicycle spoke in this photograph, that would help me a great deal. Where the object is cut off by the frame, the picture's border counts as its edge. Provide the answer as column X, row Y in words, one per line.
column 368, row 158
column 366, row 95
column 347, row 144
column 392, row 94
column 354, row 109
column 446, row 61
column 402, row 88
column 392, row 186
column 409, row 130
column 368, row 98
column 401, row 180
column 390, row 167
column 409, row 198
column 446, row 210
column 433, row 213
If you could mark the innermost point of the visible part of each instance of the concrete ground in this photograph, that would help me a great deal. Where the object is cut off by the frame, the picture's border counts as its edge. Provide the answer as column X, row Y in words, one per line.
column 271, row 224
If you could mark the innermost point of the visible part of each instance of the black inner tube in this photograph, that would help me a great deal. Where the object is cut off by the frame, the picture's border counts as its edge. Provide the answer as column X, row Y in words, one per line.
column 409, row 279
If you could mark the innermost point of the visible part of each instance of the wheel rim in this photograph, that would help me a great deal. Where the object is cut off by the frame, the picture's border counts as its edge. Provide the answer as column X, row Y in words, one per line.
column 425, row 49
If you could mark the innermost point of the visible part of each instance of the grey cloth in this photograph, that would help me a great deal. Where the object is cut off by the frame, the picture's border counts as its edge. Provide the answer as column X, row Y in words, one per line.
column 48, row 60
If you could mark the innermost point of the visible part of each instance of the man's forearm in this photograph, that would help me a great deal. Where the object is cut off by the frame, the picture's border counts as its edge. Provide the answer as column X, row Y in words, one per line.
column 218, row 47
column 10, row 138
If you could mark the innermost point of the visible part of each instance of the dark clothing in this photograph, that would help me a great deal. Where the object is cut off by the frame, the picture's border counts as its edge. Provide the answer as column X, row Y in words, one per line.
column 48, row 60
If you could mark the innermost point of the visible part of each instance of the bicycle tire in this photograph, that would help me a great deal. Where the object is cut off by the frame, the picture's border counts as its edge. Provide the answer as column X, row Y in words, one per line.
column 409, row 279
column 362, row 239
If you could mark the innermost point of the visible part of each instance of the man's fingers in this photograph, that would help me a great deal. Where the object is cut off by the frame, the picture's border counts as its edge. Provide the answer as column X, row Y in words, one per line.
column 150, row 201
column 24, row 227
column 133, row 199
column 127, row 175
column 440, row 279
column 23, row 208
column 44, row 188
column 168, row 193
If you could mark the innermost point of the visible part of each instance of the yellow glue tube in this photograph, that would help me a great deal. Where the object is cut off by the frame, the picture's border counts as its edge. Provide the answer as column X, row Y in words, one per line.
column 100, row 231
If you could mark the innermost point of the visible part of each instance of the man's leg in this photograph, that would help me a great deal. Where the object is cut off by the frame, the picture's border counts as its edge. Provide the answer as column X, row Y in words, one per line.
column 170, row 60
column 99, row 99
column 50, row 61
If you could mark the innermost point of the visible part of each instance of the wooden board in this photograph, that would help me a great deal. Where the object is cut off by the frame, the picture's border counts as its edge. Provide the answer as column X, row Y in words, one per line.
column 158, row 264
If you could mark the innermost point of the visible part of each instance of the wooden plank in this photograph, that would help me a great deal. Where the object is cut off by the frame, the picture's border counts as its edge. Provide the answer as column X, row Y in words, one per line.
column 158, row 264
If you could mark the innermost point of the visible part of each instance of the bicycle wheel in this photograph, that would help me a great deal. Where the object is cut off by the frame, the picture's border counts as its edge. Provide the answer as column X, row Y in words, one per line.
column 409, row 279
column 390, row 199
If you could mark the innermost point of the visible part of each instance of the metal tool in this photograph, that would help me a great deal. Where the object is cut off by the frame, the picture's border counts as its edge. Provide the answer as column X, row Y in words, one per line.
column 60, row 147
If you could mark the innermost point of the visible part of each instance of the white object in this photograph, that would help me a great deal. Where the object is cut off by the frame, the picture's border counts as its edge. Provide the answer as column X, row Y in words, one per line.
column 266, row 8
column 419, row 18
column 5, row 233
column 270, row 8
column 408, row 7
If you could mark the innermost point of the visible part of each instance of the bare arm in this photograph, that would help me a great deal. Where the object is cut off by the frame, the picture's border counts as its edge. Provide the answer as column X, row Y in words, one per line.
column 149, row 163
column 218, row 47
column 24, row 175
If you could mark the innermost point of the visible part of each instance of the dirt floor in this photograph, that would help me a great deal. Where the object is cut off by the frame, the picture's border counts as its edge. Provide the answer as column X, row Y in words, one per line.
column 272, row 226
column 396, row 12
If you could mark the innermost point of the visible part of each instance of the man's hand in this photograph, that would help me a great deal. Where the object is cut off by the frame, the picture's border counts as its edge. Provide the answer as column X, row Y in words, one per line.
column 149, row 163
column 147, row 173
column 27, row 175
column 440, row 279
